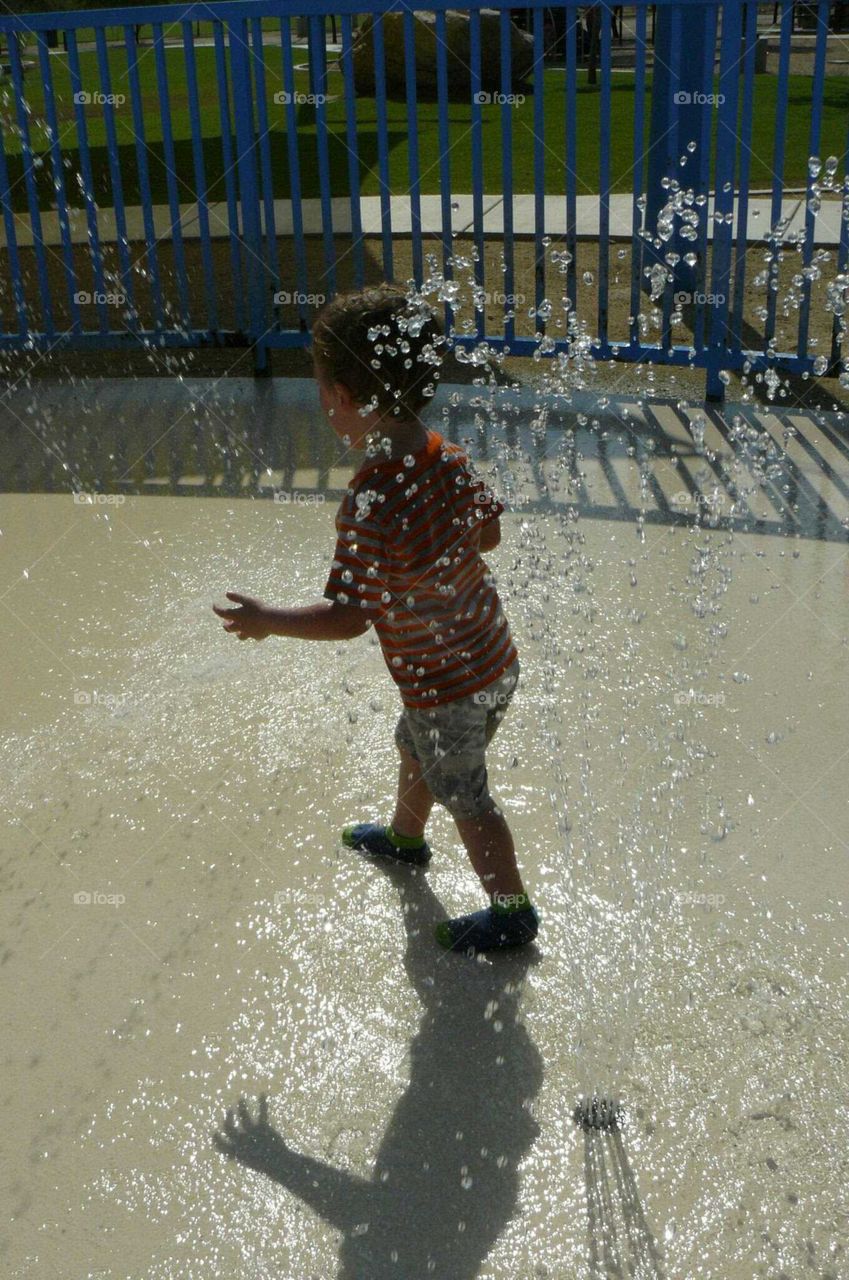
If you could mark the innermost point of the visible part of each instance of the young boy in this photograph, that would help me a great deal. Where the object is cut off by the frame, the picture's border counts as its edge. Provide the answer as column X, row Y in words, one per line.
column 409, row 536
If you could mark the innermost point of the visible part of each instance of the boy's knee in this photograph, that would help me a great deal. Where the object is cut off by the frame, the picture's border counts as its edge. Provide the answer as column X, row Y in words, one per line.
column 477, row 812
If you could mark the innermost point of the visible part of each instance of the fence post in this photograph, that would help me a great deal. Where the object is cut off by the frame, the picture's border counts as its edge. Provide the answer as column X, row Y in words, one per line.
column 720, row 341
column 680, row 106
column 249, row 195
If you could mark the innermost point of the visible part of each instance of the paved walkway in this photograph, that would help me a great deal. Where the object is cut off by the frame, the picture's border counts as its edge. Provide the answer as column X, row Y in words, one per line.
column 826, row 228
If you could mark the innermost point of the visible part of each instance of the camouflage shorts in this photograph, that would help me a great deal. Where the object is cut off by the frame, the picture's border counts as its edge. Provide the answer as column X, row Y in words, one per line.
column 449, row 742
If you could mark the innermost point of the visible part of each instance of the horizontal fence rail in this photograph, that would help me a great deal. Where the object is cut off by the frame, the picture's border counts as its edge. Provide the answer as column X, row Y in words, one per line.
column 207, row 175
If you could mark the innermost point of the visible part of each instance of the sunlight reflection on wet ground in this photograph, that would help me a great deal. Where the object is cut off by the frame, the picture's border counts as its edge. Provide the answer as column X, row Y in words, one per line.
column 688, row 863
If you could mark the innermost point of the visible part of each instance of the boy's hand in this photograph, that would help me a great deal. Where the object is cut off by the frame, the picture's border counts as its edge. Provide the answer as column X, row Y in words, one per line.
column 251, row 1141
column 251, row 622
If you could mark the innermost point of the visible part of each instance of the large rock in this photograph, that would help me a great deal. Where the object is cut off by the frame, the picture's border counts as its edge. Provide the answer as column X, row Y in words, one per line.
column 458, row 54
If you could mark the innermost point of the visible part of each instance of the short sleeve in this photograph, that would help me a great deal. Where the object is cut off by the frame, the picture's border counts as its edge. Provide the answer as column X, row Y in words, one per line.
column 359, row 570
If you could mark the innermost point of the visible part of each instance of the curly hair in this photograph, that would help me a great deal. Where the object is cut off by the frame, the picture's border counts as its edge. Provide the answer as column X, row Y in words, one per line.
column 382, row 346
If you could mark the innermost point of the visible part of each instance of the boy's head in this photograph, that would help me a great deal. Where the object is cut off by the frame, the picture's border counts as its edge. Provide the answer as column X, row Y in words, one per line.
column 375, row 348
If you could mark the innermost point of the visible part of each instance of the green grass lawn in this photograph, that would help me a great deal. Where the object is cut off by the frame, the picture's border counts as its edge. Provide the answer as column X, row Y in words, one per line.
column 460, row 115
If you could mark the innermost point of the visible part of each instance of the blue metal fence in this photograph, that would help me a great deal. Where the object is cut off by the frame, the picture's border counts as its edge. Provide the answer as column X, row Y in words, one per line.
column 44, row 273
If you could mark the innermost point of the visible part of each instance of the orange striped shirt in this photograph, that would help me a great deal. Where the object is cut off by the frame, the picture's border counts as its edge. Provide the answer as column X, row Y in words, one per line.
column 406, row 551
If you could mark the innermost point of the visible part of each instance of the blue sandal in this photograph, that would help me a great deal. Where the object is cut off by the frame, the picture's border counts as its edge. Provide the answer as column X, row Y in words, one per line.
column 368, row 837
column 488, row 930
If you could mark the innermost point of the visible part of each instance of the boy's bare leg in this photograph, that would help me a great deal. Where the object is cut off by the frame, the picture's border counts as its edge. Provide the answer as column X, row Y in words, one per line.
column 414, row 803
column 490, row 847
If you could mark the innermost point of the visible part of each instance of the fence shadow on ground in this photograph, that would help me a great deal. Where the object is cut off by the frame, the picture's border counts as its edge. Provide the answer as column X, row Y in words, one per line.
column 753, row 468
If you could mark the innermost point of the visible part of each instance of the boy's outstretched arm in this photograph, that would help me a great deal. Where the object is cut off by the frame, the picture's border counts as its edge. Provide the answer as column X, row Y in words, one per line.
column 342, row 1198
column 325, row 620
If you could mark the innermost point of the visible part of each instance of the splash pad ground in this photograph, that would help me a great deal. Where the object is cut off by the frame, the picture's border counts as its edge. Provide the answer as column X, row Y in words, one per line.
column 192, row 789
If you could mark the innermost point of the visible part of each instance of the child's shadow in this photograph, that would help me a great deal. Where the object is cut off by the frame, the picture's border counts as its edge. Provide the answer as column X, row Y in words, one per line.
column 457, row 1136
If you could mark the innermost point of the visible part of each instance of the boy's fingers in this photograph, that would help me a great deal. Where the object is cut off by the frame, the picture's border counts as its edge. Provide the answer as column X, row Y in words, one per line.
column 234, row 595
column 221, row 1143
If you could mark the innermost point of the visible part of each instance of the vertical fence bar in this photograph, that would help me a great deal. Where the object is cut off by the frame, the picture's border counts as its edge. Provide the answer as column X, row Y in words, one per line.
column 347, row 65
column 539, row 165
column 200, row 176
column 87, row 180
column 477, row 166
column 59, row 181
column 171, row 175
column 604, row 182
column 272, row 259
column 31, row 186
column 671, row 144
column 817, row 90
column 637, row 172
column 246, row 169
column 229, row 180
column 837, row 324
column 12, row 242
column 409, row 21
column 382, row 144
column 573, row 15
column 709, row 47
column 317, row 49
column 507, row 175
column 268, row 266
column 751, row 12
column 115, row 174
column 137, row 106
column 776, row 238
column 444, row 144
column 294, row 168
column 726, row 152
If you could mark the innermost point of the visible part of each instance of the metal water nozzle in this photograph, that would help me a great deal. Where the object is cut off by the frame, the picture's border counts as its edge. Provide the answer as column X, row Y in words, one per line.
column 597, row 1112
